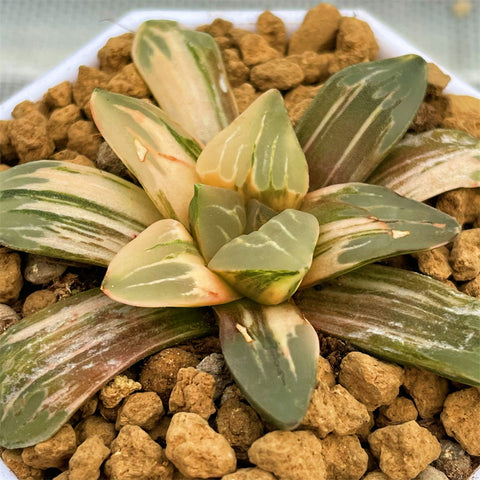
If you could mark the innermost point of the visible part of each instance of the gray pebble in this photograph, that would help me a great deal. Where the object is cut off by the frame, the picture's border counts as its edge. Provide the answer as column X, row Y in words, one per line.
column 453, row 461
column 107, row 160
column 215, row 365
column 431, row 473
column 41, row 270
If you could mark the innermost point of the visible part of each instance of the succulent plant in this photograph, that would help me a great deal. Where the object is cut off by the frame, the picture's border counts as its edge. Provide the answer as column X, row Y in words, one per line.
column 243, row 224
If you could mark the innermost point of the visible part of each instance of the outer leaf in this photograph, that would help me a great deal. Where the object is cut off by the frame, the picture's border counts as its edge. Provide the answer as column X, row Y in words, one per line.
column 217, row 215
column 268, row 265
column 430, row 163
column 258, row 155
column 163, row 268
column 158, row 151
column 257, row 215
column 70, row 211
column 402, row 316
column 361, row 223
column 358, row 115
column 272, row 353
column 185, row 72
column 55, row 359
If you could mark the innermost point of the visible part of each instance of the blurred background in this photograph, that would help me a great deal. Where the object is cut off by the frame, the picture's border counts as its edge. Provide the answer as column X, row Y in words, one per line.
column 35, row 35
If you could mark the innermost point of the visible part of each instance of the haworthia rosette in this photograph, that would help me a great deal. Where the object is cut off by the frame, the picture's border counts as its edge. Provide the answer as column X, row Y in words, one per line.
column 163, row 268
column 257, row 215
column 427, row 164
column 54, row 360
column 70, row 211
column 402, row 316
column 358, row 115
column 361, row 223
column 185, row 72
column 272, row 353
column 269, row 264
column 258, row 154
column 158, row 151
column 217, row 215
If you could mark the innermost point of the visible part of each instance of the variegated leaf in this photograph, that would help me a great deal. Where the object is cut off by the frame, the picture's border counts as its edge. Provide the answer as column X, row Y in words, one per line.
column 272, row 353
column 427, row 164
column 403, row 317
column 158, row 151
column 57, row 358
column 269, row 264
column 358, row 115
column 163, row 268
column 257, row 215
column 361, row 223
column 217, row 215
column 70, row 211
column 185, row 72
column 258, row 154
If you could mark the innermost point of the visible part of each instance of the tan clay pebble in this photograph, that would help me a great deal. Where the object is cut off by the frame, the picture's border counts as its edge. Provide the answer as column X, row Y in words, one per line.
column 371, row 381
column 88, row 79
column 95, row 425
column 193, row 393
column 59, row 96
column 355, row 44
column 135, row 456
column 344, row 457
column 272, row 28
column 28, row 134
column 314, row 65
column 294, row 455
column 472, row 287
column 11, row 280
column 26, row 107
column 465, row 255
column 159, row 374
column 462, row 113
column 220, row 27
column 254, row 473
column 375, row 475
column 321, row 415
column 54, row 452
column 401, row 410
column 427, row 390
column 237, row 71
column 13, row 460
column 279, row 73
column 8, row 317
column 60, row 121
column 117, row 389
column 437, row 80
column 84, row 138
column 128, row 82
column 461, row 418
column 463, row 204
column 255, row 50
column 427, row 118
column 38, row 300
column 8, row 154
column 404, row 450
column 318, row 30
column 143, row 409
column 196, row 449
column 325, row 372
column 435, row 262
column 85, row 463
column 115, row 54
column 240, row 425
column 245, row 95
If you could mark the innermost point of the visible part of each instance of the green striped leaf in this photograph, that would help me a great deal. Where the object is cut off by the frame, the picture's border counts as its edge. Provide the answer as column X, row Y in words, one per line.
column 258, row 154
column 427, row 164
column 257, row 215
column 70, row 211
column 54, row 360
column 272, row 353
column 269, row 264
column 185, row 72
column 361, row 223
column 163, row 268
column 358, row 115
column 158, row 151
column 217, row 215
column 403, row 317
